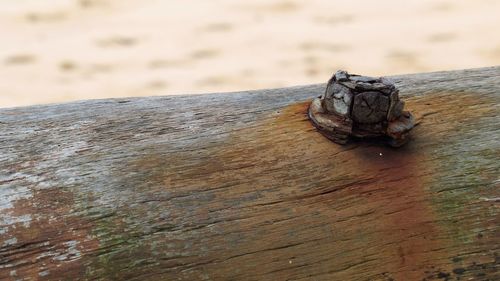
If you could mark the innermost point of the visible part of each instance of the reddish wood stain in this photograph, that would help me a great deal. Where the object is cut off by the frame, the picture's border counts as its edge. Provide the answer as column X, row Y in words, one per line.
column 53, row 243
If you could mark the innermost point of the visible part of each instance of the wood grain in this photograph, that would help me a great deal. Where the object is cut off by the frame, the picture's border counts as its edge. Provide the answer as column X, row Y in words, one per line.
column 241, row 186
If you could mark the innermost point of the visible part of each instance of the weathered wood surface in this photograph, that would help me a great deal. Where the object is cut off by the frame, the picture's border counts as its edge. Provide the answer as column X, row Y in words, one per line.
column 241, row 187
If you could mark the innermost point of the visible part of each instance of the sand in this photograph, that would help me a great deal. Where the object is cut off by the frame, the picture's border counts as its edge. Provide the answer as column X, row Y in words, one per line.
column 64, row 50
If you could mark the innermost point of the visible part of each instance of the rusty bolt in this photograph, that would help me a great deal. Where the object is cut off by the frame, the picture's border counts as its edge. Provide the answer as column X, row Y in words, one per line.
column 361, row 106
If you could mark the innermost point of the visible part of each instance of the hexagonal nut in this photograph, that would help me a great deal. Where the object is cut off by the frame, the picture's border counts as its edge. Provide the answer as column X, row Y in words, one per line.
column 361, row 106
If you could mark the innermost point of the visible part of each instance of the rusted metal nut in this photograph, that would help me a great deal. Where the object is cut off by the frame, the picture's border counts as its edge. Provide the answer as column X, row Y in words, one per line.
column 361, row 106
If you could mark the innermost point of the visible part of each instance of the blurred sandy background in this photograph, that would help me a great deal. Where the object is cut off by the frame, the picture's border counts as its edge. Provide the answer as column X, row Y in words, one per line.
column 62, row 50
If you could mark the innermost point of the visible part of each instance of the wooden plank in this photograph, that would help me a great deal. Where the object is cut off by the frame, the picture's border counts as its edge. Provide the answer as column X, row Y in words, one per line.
column 242, row 187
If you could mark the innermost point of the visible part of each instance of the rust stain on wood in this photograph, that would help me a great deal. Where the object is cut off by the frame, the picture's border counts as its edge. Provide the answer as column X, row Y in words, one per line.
column 390, row 189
